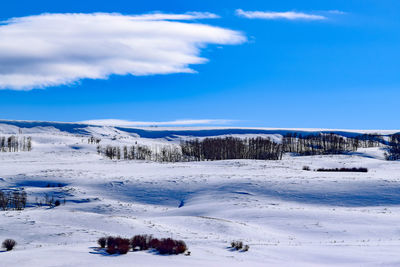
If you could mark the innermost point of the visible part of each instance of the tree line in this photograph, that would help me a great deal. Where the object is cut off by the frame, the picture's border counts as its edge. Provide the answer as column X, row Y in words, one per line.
column 15, row 144
column 393, row 151
column 260, row 148
column 15, row 200
column 232, row 148
column 199, row 150
column 324, row 144
column 142, row 152
column 93, row 140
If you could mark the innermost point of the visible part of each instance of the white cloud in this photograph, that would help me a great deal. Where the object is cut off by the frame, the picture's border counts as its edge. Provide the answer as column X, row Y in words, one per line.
column 290, row 15
column 116, row 122
column 57, row 49
column 186, row 16
column 336, row 12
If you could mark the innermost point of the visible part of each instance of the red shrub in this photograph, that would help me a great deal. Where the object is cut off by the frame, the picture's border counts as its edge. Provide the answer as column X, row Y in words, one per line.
column 141, row 242
column 154, row 243
column 123, row 249
column 180, row 247
column 170, row 246
column 111, row 250
column 117, row 245
column 118, row 240
column 110, row 241
column 166, row 246
column 123, row 246
column 102, row 241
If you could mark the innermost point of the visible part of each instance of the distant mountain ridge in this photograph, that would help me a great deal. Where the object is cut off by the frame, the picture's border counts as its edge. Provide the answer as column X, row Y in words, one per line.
column 174, row 132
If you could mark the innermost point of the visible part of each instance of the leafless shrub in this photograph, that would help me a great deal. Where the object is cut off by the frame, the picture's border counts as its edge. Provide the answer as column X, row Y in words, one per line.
column 49, row 200
column 140, row 242
column 343, row 170
column 120, row 245
column 102, row 241
column 9, row 244
column 117, row 245
column 180, row 247
column 111, row 250
column 306, row 168
column 154, row 243
column 171, row 246
column 238, row 245
column 123, row 246
column 111, row 246
column 13, row 200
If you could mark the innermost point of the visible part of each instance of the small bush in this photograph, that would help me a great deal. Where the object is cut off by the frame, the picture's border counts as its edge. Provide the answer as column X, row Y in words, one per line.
column 111, row 250
column 171, row 246
column 120, row 245
column 154, row 243
column 166, row 246
column 123, row 249
column 102, row 241
column 9, row 244
column 180, row 247
column 306, row 168
column 111, row 246
column 343, row 170
column 237, row 245
column 57, row 203
column 117, row 245
column 110, row 241
column 123, row 245
column 141, row 242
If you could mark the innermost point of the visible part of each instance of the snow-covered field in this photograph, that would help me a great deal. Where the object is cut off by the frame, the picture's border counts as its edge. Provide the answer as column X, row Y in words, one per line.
column 289, row 217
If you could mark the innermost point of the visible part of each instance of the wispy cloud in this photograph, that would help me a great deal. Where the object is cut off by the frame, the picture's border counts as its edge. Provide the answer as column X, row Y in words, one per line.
column 116, row 122
column 337, row 12
column 290, row 15
column 185, row 16
column 59, row 49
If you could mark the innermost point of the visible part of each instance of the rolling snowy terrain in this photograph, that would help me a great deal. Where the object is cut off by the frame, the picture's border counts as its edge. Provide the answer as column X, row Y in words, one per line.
column 288, row 216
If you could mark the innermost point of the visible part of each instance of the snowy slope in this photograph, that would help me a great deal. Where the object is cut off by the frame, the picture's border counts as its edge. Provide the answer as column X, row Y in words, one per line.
column 172, row 132
column 288, row 216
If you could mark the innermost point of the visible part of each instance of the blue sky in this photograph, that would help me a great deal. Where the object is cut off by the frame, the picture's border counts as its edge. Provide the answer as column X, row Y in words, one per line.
column 341, row 71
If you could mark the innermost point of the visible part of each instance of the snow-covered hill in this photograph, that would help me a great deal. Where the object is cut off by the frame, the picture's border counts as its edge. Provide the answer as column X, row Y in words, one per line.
column 288, row 216
column 167, row 132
